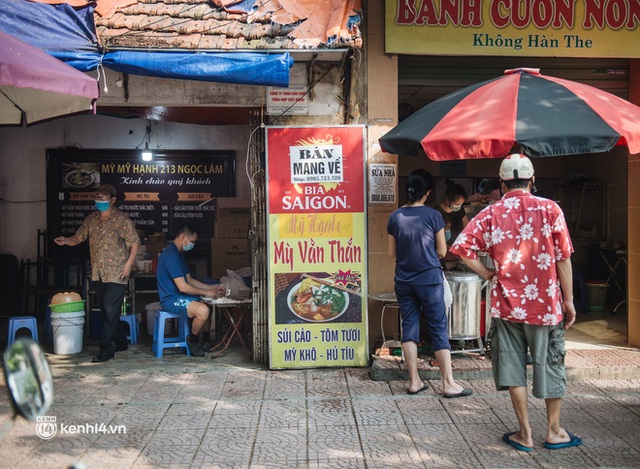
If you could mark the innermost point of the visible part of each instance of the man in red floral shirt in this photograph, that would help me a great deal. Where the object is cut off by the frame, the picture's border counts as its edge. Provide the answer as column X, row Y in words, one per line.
column 531, row 298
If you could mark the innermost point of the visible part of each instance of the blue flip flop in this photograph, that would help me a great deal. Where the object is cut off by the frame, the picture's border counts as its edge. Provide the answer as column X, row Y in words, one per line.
column 515, row 444
column 574, row 441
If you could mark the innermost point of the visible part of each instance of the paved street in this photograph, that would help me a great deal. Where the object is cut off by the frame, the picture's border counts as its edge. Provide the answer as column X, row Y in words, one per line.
column 231, row 413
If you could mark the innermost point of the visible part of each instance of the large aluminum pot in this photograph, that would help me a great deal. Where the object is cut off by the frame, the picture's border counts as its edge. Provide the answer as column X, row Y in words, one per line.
column 464, row 314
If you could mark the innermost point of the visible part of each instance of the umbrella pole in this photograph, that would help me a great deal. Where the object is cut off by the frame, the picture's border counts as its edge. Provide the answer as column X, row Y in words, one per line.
column 517, row 148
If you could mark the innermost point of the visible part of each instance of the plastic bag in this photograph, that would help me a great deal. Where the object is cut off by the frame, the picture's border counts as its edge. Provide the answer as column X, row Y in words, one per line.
column 232, row 281
column 448, row 296
column 235, row 285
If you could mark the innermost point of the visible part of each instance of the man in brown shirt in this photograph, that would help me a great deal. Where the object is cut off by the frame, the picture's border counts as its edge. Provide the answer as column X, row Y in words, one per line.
column 113, row 245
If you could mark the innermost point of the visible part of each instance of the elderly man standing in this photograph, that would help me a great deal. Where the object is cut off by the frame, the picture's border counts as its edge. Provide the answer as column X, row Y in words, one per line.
column 113, row 246
column 532, row 296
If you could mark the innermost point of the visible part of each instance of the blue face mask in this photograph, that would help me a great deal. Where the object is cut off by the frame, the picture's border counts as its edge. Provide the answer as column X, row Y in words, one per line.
column 447, row 235
column 189, row 247
column 102, row 205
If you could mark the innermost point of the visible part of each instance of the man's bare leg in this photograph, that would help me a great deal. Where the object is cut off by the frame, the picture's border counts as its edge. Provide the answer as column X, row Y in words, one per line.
column 519, row 400
column 555, row 433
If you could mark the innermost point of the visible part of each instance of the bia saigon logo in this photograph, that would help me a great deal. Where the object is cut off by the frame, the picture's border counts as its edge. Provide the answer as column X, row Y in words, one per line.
column 46, row 427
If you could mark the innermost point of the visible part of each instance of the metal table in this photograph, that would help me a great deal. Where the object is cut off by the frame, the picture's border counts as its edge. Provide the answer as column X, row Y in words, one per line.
column 389, row 300
column 134, row 291
column 233, row 311
column 613, row 267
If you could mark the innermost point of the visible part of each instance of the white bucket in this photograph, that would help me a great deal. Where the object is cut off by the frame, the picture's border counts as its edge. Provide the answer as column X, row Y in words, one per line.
column 67, row 332
column 150, row 310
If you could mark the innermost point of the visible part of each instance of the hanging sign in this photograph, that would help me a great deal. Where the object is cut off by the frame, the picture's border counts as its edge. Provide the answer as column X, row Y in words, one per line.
column 382, row 183
column 177, row 187
column 288, row 101
column 316, row 247
column 531, row 28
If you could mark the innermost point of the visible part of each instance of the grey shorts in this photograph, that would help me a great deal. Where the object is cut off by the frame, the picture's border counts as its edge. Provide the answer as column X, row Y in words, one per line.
column 510, row 342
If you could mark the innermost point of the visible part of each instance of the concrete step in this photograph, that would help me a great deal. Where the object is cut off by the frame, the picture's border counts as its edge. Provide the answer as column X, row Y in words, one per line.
column 580, row 364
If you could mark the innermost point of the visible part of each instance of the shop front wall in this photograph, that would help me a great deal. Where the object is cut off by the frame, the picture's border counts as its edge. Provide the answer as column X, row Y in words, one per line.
column 443, row 54
column 23, row 166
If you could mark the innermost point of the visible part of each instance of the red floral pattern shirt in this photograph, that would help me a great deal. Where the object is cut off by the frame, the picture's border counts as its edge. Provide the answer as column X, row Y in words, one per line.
column 525, row 236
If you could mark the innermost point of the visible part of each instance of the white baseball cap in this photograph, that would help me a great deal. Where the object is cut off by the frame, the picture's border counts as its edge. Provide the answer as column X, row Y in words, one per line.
column 516, row 166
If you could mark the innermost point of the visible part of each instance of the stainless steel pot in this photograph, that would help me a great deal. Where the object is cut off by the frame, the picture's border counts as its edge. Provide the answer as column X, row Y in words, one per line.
column 464, row 314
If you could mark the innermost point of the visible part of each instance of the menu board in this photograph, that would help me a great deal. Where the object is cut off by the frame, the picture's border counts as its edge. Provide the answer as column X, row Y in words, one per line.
column 175, row 188
column 316, row 247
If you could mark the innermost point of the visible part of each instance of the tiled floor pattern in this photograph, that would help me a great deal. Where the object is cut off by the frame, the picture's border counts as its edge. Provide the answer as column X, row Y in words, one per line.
column 229, row 413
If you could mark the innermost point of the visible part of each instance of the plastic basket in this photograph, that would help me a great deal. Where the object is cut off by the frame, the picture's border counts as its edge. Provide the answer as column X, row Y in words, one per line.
column 71, row 307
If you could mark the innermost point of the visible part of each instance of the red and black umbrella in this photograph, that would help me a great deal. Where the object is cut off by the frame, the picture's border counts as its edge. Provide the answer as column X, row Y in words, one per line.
column 521, row 110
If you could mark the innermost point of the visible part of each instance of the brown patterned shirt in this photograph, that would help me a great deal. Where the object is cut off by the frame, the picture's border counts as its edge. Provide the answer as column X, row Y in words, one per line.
column 110, row 244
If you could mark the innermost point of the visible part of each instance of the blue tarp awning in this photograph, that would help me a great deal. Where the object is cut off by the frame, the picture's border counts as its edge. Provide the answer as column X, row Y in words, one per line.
column 246, row 68
column 69, row 35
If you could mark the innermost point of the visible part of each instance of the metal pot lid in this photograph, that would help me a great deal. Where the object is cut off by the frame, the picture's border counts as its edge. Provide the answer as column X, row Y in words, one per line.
column 469, row 277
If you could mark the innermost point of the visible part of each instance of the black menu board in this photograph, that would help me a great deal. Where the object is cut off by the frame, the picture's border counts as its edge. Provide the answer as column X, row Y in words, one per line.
column 176, row 187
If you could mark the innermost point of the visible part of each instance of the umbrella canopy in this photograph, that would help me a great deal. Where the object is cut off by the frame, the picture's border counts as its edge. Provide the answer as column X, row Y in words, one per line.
column 544, row 116
column 39, row 86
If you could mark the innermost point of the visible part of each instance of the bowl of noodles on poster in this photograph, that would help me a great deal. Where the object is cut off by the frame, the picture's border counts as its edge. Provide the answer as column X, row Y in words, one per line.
column 313, row 301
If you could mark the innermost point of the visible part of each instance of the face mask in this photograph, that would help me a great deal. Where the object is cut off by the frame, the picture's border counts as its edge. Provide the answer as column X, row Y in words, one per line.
column 455, row 208
column 447, row 235
column 188, row 247
column 102, row 205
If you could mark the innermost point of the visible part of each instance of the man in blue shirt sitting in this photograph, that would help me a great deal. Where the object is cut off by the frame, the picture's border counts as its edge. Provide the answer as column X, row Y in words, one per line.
column 179, row 292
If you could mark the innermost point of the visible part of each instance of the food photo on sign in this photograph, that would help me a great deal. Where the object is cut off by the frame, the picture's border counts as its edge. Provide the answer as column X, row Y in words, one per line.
column 317, row 297
column 80, row 176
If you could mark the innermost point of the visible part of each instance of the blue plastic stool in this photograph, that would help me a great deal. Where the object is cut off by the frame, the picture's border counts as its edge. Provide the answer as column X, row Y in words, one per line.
column 160, row 342
column 578, row 279
column 134, row 327
column 22, row 322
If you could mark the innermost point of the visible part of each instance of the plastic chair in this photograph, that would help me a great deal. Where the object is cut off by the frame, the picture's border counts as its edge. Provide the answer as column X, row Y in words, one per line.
column 134, row 327
column 22, row 322
column 160, row 342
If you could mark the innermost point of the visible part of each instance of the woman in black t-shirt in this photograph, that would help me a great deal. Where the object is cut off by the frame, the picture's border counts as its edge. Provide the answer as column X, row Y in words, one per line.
column 455, row 217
